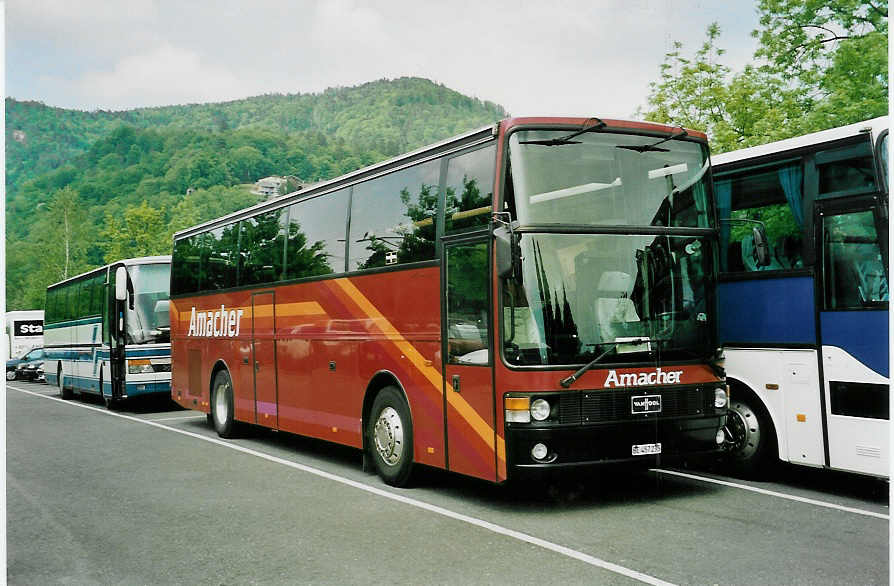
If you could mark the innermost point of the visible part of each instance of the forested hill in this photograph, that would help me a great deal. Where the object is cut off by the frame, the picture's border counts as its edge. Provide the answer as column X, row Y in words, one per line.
column 87, row 187
column 383, row 118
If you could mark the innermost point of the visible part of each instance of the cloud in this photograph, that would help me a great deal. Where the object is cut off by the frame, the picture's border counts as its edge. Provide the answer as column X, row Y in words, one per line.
column 164, row 75
column 592, row 57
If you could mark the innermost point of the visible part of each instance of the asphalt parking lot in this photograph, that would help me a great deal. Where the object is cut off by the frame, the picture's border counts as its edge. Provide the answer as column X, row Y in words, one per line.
column 149, row 494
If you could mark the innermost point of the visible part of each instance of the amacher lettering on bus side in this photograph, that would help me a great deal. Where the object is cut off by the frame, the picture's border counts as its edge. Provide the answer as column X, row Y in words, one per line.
column 638, row 379
column 219, row 322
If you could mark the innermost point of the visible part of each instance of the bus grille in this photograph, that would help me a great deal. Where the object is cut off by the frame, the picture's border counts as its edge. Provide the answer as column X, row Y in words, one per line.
column 614, row 405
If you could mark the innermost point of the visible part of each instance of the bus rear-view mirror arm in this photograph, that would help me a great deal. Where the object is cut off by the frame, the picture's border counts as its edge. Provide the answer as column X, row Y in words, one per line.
column 508, row 254
column 759, row 240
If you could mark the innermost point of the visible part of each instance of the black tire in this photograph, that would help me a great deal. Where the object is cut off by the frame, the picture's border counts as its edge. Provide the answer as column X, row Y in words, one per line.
column 390, row 437
column 751, row 436
column 222, row 405
column 66, row 393
column 11, row 375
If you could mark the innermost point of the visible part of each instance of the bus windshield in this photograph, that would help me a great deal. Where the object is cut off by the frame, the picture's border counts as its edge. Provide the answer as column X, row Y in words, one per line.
column 609, row 179
column 148, row 322
column 631, row 297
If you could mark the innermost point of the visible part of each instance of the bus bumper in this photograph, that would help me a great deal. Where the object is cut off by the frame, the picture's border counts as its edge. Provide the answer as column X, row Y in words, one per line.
column 599, row 444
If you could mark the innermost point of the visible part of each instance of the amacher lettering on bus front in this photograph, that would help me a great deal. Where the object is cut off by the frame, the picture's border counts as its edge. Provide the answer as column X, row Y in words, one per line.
column 220, row 322
column 636, row 379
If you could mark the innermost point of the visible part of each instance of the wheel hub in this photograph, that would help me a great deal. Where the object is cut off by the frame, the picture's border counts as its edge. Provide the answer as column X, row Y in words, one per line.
column 389, row 436
column 743, row 431
column 220, row 404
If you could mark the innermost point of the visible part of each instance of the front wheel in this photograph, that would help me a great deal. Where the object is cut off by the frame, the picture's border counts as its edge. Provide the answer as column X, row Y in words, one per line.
column 10, row 375
column 222, row 405
column 390, row 437
column 750, row 436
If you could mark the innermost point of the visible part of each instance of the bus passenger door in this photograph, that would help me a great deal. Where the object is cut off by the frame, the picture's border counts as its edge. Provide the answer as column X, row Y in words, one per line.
column 263, row 351
column 468, row 371
column 852, row 254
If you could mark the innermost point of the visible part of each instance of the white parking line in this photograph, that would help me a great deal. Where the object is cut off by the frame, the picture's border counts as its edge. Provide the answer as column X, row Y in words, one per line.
column 554, row 547
column 781, row 495
column 181, row 418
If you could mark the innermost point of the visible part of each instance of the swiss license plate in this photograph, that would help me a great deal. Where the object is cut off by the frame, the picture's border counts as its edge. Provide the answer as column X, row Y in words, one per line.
column 643, row 449
column 645, row 404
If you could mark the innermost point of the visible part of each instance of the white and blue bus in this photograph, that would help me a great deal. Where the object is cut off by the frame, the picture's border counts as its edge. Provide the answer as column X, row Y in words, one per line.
column 804, row 300
column 107, row 331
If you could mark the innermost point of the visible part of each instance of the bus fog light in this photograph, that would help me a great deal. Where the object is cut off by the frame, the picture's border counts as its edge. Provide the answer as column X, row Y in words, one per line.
column 540, row 410
column 720, row 398
column 539, row 451
column 720, row 437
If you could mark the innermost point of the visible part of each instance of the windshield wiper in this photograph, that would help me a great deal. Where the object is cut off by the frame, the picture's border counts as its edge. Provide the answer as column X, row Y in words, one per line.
column 566, row 382
column 567, row 138
column 642, row 148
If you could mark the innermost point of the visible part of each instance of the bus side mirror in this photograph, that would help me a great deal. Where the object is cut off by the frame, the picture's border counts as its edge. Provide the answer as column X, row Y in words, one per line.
column 506, row 253
column 761, row 246
column 121, row 284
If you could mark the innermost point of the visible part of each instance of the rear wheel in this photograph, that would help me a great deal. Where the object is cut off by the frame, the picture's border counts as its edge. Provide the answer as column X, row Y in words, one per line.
column 222, row 405
column 66, row 393
column 750, row 435
column 390, row 437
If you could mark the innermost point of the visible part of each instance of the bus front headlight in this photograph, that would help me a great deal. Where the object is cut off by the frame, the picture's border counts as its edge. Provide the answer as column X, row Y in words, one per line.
column 540, row 409
column 720, row 398
column 139, row 367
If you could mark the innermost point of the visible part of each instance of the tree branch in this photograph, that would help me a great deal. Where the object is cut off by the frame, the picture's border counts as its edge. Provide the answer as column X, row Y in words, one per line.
column 878, row 10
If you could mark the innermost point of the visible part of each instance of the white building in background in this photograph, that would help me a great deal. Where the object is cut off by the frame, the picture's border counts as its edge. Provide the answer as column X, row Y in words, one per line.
column 268, row 186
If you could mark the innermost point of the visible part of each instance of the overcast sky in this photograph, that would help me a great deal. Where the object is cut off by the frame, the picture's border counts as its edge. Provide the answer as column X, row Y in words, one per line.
column 593, row 57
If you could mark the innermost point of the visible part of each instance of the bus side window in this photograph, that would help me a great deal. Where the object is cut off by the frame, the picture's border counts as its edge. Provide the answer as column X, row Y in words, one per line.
column 185, row 268
column 469, row 187
column 261, row 247
column 393, row 218
column 316, row 236
column 770, row 196
column 853, row 268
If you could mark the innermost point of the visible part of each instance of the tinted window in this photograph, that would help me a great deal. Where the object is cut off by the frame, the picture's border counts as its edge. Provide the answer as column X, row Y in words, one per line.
column 50, row 306
column 469, row 189
column 60, row 305
column 392, row 218
column 98, row 295
column 467, row 304
column 72, row 309
column 261, row 247
column 846, row 170
column 220, row 247
column 316, row 236
column 883, row 158
column 855, row 275
column 185, row 266
column 771, row 196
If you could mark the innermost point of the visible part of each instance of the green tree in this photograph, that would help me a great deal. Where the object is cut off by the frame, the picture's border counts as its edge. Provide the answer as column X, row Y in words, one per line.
column 142, row 231
column 818, row 65
column 834, row 51
column 56, row 252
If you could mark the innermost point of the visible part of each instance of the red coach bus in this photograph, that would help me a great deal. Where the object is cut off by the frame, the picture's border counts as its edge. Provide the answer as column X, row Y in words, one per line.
column 535, row 295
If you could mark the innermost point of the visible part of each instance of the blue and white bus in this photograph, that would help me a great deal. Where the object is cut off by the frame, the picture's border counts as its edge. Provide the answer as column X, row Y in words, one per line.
column 107, row 331
column 804, row 300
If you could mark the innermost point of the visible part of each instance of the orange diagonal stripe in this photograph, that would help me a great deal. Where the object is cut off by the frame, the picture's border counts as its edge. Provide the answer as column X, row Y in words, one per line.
column 482, row 429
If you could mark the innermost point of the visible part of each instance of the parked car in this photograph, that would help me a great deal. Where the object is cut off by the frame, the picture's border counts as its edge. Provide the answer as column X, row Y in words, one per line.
column 31, row 357
column 32, row 370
